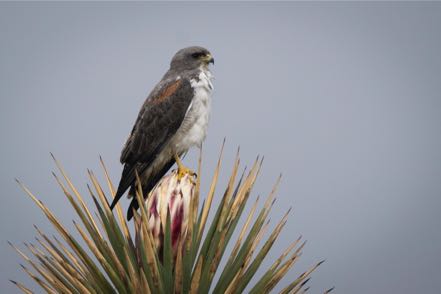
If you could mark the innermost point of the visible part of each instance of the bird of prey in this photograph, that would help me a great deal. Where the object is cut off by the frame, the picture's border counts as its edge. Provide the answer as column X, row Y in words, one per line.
column 173, row 118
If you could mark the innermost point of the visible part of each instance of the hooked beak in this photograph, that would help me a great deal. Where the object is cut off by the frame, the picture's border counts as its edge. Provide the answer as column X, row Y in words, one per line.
column 209, row 59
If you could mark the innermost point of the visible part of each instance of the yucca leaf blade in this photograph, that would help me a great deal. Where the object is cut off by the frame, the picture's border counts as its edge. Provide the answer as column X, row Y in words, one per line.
column 167, row 272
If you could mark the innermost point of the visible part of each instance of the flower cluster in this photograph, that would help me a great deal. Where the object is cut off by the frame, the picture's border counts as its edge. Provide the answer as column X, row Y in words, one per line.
column 171, row 196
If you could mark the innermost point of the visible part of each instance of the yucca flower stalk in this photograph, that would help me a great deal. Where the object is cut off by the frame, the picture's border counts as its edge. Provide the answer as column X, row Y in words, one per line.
column 171, row 197
column 111, row 259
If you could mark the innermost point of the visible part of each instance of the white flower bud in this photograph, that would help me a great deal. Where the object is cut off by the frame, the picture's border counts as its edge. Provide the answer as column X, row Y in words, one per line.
column 171, row 194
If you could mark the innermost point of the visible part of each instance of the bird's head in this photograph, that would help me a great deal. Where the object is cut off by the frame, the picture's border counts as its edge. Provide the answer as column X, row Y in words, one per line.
column 191, row 58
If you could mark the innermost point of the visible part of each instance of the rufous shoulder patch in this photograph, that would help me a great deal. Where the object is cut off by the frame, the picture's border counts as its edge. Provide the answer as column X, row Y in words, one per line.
column 167, row 91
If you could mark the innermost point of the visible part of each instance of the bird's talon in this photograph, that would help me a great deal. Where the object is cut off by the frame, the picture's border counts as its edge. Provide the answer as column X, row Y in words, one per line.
column 183, row 171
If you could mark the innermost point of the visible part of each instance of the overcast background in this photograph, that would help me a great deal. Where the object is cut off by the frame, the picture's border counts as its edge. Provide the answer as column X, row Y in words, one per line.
column 342, row 98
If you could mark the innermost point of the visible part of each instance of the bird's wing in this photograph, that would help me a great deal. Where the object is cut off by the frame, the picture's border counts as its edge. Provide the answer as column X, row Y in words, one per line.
column 158, row 120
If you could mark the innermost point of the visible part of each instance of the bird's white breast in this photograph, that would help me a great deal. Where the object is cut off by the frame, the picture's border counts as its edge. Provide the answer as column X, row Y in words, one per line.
column 193, row 130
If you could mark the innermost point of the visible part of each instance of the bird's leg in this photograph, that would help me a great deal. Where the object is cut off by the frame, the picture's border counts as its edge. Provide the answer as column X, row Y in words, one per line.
column 182, row 169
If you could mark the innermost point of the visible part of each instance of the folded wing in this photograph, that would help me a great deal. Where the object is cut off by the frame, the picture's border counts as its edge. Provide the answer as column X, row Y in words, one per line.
column 159, row 118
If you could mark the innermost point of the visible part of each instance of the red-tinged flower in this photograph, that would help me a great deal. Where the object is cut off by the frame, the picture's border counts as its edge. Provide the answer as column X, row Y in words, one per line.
column 172, row 194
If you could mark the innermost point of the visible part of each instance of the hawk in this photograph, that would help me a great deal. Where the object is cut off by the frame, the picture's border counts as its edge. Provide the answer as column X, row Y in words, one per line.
column 173, row 119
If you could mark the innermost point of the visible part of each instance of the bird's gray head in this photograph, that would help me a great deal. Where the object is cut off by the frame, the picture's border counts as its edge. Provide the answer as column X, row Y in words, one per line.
column 191, row 58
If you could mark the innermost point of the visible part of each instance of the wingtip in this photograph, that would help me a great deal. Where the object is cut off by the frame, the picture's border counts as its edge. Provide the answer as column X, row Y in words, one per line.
column 113, row 204
column 129, row 215
column 116, row 198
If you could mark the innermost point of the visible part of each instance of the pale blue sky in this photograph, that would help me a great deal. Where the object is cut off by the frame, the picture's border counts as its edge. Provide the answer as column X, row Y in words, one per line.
column 342, row 98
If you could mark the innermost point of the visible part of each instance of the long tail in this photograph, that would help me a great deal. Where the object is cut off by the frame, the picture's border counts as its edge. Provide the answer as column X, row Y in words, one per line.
column 147, row 186
column 128, row 177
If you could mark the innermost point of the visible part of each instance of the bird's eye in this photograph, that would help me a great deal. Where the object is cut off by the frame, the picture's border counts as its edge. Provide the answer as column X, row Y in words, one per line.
column 197, row 54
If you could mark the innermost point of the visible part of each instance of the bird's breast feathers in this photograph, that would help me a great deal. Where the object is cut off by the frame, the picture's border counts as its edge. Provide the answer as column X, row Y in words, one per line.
column 193, row 129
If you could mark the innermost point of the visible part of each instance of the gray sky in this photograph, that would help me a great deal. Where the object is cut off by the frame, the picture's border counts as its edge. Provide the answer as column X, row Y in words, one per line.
column 342, row 98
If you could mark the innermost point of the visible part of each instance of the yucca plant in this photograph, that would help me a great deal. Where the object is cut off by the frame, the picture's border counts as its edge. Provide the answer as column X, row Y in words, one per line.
column 151, row 258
